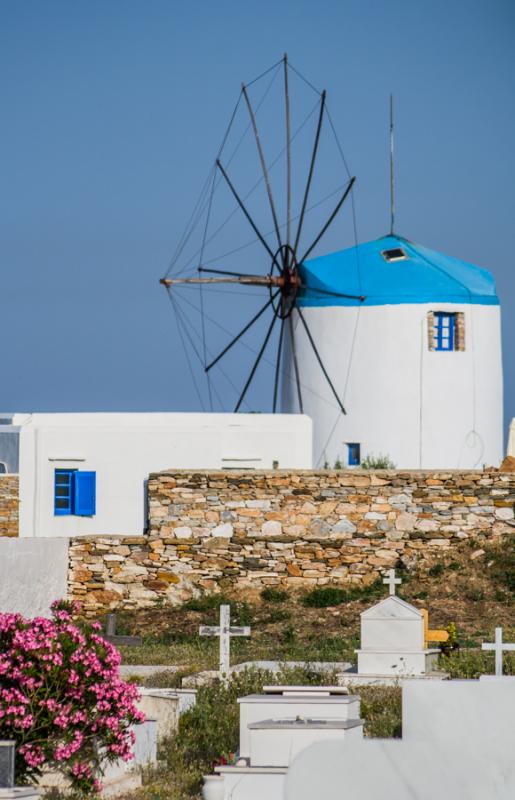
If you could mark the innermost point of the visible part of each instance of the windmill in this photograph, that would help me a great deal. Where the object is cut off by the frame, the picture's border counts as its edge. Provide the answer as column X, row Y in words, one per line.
column 284, row 250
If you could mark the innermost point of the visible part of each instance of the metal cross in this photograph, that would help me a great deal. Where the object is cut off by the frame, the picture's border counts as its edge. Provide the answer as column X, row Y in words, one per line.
column 7, row 764
column 498, row 646
column 111, row 636
column 224, row 631
column 391, row 581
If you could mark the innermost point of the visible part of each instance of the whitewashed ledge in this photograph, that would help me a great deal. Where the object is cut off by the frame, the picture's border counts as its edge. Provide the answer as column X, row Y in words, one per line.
column 146, row 670
column 345, row 673
column 353, row 678
column 201, row 678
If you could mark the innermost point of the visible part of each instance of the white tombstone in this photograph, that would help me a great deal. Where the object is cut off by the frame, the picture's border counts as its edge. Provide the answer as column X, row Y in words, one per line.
column 274, row 728
column 276, row 742
column 165, row 706
column 392, row 640
column 456, row 735
column 145, row 744
column 308, row 702
column 8, row 790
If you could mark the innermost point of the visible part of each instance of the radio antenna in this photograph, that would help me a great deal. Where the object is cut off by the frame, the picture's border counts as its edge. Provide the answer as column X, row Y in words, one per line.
column 392, row 184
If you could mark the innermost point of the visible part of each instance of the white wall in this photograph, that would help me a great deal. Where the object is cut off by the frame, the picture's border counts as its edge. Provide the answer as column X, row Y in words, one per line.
column 458, row 736
column 32, row 575
column 511, row 439
column 124, row 448
column 424, row 409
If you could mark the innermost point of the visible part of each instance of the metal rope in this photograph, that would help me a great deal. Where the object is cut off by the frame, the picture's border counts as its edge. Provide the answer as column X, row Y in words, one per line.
column 272, row 164
column 210, row 353
column 283, row 371
column 178, row 321
column 231, row 158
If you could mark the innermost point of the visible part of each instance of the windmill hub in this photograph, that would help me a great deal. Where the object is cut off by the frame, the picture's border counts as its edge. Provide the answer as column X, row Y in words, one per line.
column 285, row 276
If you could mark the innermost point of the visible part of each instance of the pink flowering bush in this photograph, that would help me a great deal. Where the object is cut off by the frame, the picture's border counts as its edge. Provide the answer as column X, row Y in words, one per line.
column 61, row 698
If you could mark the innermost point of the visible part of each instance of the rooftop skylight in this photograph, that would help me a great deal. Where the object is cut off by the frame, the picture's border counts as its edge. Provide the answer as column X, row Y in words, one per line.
column 395, row 254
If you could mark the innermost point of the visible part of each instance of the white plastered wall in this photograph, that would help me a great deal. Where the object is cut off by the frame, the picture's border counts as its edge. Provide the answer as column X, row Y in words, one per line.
column 33, row 574
column 123, row 449
column 511, row 439
column 424, row 409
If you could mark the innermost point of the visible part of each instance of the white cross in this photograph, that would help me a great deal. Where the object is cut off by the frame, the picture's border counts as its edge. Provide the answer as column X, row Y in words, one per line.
column 224, row 631
column 498, row 647
column 391, row 581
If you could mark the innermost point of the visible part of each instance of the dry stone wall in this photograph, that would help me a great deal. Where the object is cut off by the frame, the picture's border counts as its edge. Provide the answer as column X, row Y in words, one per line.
column 236, row 531
column 9, row 505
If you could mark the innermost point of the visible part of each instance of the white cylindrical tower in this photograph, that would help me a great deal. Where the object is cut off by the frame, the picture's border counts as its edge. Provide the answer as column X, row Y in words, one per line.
column 416, row 364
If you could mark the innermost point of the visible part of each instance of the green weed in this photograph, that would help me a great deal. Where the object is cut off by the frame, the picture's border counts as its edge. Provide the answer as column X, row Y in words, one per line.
column 327, row 596
column 210, row 729
column 272, row 595
column 381, row 708
column 381, row 461
column 473, row 663
column 501, row 560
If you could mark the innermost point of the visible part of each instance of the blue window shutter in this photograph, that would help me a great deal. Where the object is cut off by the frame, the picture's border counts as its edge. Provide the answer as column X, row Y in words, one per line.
column 452, row 323
column 85, row 493
column 63, row 492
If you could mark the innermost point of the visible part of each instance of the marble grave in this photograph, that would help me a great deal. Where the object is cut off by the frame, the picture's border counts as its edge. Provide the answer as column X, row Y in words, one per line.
column 393, row 636
column 274, row 728
column 8, row 789
column 458, row 740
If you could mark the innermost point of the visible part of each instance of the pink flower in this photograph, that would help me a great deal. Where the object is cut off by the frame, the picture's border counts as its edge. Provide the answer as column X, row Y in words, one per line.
column 59, row 690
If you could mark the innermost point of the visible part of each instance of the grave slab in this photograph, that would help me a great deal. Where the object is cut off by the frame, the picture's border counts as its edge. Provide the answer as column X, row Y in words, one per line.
column 258, row 707
column 146, row 670
column 8, row 790
column 166, row 707
column 276, row 742
column 274, row 727
column 457, row 735
column 244, row 783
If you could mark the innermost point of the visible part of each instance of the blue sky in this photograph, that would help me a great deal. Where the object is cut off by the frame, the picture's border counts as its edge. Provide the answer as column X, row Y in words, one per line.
column 112, row 113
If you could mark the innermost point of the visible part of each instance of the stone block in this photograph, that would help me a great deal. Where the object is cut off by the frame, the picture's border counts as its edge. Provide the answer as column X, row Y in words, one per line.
column 271, row 528
column 167, row 577
column 224, row 531
column 182, row 532
column 344, row 525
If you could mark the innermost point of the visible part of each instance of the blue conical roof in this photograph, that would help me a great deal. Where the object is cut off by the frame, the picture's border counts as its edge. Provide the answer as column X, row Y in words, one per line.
column 422, row 276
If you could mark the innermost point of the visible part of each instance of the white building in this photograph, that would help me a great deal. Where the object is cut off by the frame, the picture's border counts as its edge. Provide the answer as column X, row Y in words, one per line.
column 87, row 473
column 511, row 439
column 417, row 364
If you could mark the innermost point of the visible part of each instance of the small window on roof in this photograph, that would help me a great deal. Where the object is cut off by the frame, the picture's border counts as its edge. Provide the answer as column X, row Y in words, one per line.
column 395, row 254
